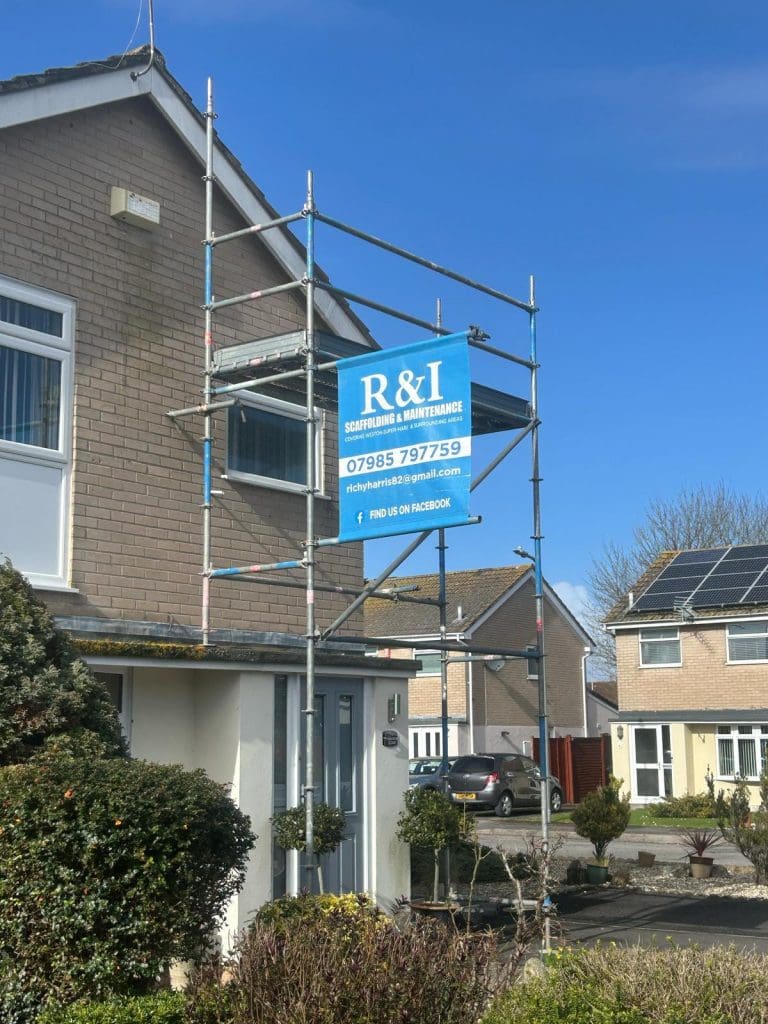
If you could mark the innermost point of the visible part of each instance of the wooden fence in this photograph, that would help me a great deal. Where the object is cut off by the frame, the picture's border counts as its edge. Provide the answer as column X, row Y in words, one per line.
column 582, row 763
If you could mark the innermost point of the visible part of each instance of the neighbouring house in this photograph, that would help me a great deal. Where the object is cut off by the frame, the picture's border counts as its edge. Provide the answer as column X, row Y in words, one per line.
column 101, row 334
column 692, row 671
column 602, row 706
column 492, row 705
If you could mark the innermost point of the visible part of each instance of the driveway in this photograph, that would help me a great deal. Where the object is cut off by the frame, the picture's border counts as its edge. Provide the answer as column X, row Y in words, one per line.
column 619, row 915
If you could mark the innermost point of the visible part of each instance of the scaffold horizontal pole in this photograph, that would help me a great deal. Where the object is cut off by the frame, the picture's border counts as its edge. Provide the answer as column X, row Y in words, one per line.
column 273, row 378
column 210, row 407
column 327, row 542
column 255, row 229
column 264, row 293
column 380, row 308
column 329, row 588
column 429, row 264
column 475, row 343
column 246, row 570
column 431, row 645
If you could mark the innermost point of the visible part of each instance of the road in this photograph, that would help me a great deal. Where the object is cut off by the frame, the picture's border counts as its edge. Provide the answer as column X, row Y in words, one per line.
column 510, row 833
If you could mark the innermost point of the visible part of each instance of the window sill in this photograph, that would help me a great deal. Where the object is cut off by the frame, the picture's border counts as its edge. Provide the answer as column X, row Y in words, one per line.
column 671, row 664
column 271, row 485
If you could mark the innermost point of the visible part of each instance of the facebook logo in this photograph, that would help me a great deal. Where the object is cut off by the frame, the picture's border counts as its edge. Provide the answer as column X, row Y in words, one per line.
column 360, row 517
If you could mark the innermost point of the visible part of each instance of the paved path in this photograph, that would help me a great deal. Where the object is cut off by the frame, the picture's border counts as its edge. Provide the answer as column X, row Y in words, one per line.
column 510, row 833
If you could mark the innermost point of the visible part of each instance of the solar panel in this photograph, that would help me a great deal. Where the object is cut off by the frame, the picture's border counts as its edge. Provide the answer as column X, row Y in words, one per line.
column 704, row 555
column 709, row 578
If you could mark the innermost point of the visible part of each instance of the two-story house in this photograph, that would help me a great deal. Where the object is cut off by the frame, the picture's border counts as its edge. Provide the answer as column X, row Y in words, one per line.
column 492, row 703
column 101, row 335
column 692, row 669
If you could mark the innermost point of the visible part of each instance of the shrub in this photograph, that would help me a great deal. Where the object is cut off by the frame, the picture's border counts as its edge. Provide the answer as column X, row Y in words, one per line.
column 430, row 821
column 747, row 830
column 633, row 985
column 358, row 968
column 45, row 690
column 163, row 1008
column 291, row 912
column 109, row 869
column 289, row 830
column 602, row 816
column 692, row 805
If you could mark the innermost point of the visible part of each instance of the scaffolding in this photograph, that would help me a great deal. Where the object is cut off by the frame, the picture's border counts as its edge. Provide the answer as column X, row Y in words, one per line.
column 305, row 362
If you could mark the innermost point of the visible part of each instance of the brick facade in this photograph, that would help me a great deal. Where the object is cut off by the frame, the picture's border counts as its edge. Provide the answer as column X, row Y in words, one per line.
column 136, row 520
column 704, row 680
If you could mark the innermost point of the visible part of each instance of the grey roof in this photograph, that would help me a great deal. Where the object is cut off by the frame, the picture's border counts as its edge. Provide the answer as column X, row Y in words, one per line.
column 625, row 614
column 471, row 591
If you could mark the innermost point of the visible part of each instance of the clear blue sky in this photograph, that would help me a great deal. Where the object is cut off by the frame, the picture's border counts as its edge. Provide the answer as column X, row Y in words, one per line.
column 618, row 150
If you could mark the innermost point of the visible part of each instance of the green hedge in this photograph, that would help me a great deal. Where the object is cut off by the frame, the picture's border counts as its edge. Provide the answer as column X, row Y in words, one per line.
column 109, row 869
column 164, row 1008
column 632, row 985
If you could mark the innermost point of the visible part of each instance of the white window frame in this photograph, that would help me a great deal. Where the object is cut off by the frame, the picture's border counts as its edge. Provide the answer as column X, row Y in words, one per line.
column 758, row 733
column 659, row 639
column 49, row 346
column 125, row 710
column 290, row 411
column 744, row 661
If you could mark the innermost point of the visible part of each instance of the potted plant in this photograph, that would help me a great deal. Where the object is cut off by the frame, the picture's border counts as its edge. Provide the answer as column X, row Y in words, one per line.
column 289, row 830
column 601, row 817
column 698, row 841
column 431, row 821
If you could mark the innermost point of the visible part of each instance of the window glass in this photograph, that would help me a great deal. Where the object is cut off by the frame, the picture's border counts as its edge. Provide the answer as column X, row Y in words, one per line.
column 470, row 765
column 659, row 646
column 741, row 750
column 748, row 641
column 30, row 398
column 430, row 662
column 346, row 755
column 264, row 442
column 34, row 318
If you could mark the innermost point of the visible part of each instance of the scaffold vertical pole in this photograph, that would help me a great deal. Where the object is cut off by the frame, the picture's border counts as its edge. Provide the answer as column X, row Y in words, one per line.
column 539, row 602
column 310, row 546
column 208, row 338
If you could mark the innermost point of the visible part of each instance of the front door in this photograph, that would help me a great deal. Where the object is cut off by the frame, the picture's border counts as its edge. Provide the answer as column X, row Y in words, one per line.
column 651, row 763
column 338, row 775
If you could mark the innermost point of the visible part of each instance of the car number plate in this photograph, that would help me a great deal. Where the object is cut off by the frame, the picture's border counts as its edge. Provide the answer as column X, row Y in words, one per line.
column 466, row 796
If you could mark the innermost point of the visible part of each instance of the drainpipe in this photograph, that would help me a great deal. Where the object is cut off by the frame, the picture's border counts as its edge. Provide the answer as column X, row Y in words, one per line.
column 470, row 709
column 585, row 655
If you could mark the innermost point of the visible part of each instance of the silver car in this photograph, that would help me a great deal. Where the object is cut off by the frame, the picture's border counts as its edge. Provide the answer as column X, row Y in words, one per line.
column 501, row 782
column 427, row 774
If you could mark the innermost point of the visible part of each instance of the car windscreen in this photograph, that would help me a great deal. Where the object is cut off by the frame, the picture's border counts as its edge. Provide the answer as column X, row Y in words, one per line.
column 472, row 766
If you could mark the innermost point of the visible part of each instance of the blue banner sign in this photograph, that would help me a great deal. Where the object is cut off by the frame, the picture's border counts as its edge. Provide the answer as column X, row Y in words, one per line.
column 405, row 439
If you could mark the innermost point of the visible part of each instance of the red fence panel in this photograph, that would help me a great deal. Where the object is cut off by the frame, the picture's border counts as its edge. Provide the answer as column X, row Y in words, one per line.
column 582, row 763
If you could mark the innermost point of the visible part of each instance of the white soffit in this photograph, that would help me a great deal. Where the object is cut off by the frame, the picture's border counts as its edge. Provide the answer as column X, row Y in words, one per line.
column 57, row 98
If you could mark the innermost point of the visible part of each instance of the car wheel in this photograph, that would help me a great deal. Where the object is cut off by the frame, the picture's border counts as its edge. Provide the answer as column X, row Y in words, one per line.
column 504, row 807
column 555, row 800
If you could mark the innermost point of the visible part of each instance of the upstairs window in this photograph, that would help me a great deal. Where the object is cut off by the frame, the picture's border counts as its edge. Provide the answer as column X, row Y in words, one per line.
column 659, row 647
column 267, row 443
column 748, row 641
column 36, row 364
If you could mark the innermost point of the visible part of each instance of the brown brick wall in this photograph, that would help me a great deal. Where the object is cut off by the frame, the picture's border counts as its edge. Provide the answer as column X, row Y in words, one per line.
column 704, row 680
column 508, row 697
column 136, row 523
column 425, row 695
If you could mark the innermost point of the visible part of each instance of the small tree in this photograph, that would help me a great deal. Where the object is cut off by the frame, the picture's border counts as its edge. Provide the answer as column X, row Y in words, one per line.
column 289, row 829
column 45, row 689
column 602, row 816
column 432, row 822
column 746, row 829
column 109, row 869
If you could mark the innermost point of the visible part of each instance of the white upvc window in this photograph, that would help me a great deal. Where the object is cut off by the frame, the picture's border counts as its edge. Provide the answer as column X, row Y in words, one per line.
column 36, row 352
column 267, row 443
column 660, row 647
column 748, row 641
column 742, row 750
